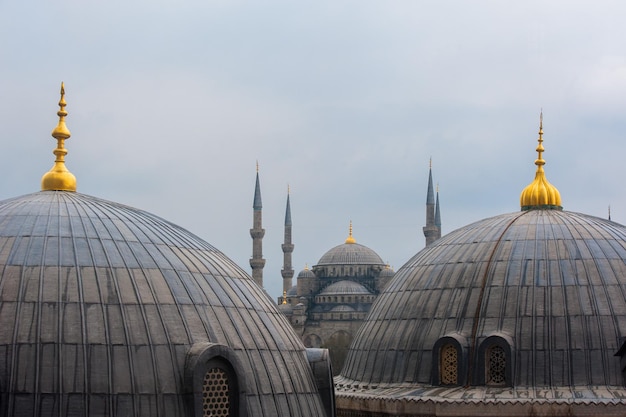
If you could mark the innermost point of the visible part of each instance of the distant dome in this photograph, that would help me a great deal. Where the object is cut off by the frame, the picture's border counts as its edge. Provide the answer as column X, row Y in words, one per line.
column 286, row 309
column 546, row 286
column 342, row 309
column 293, row 291
column 305, row 273
column 110, row 310
column 345, row 287
column 350, row 254
column 387, row 272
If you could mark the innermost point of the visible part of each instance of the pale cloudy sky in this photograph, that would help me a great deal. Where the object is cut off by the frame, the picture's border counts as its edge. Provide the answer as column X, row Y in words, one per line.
column 171, row 103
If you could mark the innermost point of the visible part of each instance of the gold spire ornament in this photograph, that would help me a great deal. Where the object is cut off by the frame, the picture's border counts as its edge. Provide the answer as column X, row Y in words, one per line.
column 350, row 240
column 59, row 178
column 540, row 194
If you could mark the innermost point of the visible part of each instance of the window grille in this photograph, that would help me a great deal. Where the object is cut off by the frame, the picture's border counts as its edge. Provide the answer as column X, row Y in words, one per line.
column 496, row 366
column 449, row 365
column 215, row 393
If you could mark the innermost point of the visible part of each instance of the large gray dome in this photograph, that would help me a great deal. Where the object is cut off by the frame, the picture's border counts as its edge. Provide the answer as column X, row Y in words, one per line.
column 547, row 288
column 109, row 310
column 350, row 254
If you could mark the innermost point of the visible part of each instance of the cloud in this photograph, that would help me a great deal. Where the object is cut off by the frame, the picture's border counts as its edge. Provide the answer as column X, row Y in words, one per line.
column 172, row 103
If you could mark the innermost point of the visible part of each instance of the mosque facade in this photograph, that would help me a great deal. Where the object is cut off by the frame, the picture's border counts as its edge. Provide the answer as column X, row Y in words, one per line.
column 521, row 314
column 107, row 310
column 330, row 301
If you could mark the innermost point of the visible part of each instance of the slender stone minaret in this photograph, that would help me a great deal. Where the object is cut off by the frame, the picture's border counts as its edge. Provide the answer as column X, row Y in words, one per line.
column 287, row 246
column 438, row 215
column 431, row 231
column 257, row 232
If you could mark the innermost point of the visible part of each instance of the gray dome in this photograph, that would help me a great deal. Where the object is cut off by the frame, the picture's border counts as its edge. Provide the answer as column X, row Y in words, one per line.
column 342, row 308
column 305, row 273
column 109, row 310
column 345, row 287
column 547, row 286
column 293, row 291
column 350, row 254
column 387, row 273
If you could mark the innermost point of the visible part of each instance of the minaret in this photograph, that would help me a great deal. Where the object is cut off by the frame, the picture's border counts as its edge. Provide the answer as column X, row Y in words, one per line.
column 438, row 215
column 287, row 246
column 431, row 229
column 257, row 232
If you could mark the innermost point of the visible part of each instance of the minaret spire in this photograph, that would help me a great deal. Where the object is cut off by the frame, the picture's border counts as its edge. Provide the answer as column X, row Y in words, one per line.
column 287, row 246
column 59, row 178
column 437, row 214
column 257, row 232
column 431, row 231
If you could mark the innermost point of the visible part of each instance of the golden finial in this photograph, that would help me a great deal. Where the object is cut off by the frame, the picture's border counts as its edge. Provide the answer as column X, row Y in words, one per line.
column 306, row 267
column 59, row 178
column 284, row 297
column 257, row 165
column 430, row 163
column 288, row 189
column 350, row 239
column 540, row 194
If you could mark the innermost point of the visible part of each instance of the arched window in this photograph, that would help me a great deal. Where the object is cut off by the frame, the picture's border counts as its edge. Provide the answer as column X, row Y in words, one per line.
column 495, row 366
column 449, row 365
column 495, row 361
column 213, row 375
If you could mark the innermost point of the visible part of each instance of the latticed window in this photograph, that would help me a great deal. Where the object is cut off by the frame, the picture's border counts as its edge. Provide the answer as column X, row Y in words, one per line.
column 496, row 366
column 215, row 393
column 449, row 365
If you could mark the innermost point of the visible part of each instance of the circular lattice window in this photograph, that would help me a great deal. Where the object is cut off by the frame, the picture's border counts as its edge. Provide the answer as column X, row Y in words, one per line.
column 215, row 393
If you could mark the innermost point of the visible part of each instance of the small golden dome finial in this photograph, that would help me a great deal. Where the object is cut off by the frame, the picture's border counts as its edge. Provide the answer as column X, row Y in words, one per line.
column 350, row 239
column 284, row 297
column 540, row 194
column 59, row 178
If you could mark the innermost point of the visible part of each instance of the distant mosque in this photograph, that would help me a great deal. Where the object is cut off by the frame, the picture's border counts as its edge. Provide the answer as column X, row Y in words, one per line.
column 330, row 301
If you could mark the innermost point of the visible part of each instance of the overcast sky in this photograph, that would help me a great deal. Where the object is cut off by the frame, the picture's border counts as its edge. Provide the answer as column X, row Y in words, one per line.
column 171, row 103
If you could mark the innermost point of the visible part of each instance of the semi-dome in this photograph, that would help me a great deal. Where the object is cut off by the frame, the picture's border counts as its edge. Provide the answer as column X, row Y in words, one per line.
column 345, row 287
column 526, row 309
column 342, row 308
column 109, row 310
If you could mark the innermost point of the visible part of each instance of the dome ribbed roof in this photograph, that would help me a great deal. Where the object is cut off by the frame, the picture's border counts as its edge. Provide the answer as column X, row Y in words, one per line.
column 350, row 254
column 345, row 287
column 553, row 282
column 101, row 303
